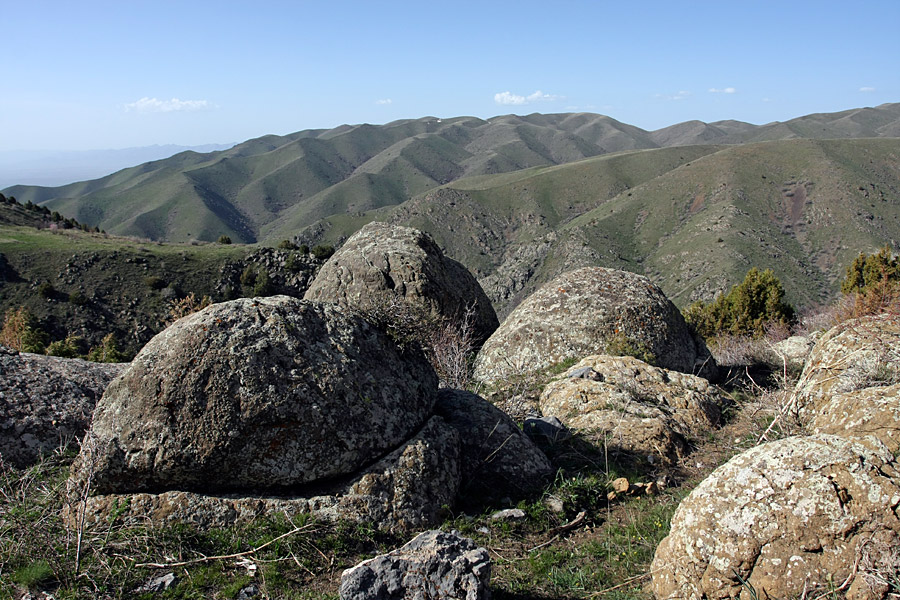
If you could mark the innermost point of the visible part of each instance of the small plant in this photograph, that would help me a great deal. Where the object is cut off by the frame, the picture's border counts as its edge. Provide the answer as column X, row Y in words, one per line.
column 323, row 251
column 21, row 331
column 262, row 285
column 287, row 245
column 224, row 239
column 34, row 574
column 77, row 298
column 620, row 345
column 46, row 290
column 108, row 351
column 154, row 282
column 186, row 306
column 67, row 348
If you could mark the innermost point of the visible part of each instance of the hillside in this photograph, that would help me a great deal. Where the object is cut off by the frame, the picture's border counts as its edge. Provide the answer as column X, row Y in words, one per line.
column 267, row 188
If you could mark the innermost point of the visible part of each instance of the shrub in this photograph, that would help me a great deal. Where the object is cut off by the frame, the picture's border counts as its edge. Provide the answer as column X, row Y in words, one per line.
column 77, row 298
column 287, row 245
column 248, row 277
column 108, row 351
column 262, row 287
column 186, row 306
column 46, row 290
column 619, row 345
column 21, row 331
column 323, row 251
column 750, row 308
column 67, row 348
column 224, row 239
column 303, row 248
column 154, row 282
column 872, row 286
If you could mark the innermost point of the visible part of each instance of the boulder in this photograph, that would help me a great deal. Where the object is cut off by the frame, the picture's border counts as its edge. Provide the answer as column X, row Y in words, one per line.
column 497, row 460
column 869, row 415
column 591, row 311
column 46, row 402
column 793, row 351
column 637, row 408
column 405, row 490
column 257, row 394
column 853, row 355
column 797, row 516
column 434, row 565
column 381, row 262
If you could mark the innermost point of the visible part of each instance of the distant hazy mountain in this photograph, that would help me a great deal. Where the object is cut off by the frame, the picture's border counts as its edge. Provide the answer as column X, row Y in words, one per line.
column 59, row 167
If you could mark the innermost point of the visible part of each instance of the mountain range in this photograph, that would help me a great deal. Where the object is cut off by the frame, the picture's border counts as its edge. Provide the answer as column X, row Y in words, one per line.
column 517, row 199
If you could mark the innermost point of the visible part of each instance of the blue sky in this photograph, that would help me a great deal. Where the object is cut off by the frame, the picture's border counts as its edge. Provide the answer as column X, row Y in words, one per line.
column 89, row 75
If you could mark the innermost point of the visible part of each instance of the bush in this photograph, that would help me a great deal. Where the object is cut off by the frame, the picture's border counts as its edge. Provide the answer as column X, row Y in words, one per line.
column 108, row 351
column 224, row 239
column 867, row 271
column 750, row 308
column 77, row 298
column 46, row 290
column 262, row 287
column 248, row 277
column 186, row 306
column 21, row 331
column 67, row 348
column 154, row 282
column 287, row 245
column 323, row 251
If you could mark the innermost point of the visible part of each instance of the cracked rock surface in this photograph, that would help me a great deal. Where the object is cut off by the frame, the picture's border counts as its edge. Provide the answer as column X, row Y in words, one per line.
column 787, row 516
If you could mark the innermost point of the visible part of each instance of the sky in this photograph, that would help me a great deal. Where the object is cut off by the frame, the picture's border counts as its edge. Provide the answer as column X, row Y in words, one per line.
column 97, row 75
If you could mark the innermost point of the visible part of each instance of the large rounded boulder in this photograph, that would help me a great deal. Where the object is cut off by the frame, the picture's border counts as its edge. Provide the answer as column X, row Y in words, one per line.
column 854, row 355
column 795, row 517
column 589, row 311
column 258, row 394
column 382, row 262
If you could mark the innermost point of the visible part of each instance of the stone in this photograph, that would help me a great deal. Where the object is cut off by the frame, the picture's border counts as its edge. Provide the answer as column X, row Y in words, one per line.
column 592, row 310
column 263, row 394
column 389, row 261
column 790, row 517
column 405, row 490
column 157, row 585
column 497, row 460
column 434, row 565
column 621, row 485
column 546, row 429
column 635, row 407
column 793, row 351
column 46, row 402
column 853, row 355
column 871, row 414
column 509, row 514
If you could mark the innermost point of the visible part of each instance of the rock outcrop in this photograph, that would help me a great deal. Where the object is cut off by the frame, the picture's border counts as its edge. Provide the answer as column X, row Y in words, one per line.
column 635, row 407
column 871, row 416
column 591, row 311
column 498, row 460
column 46, row 402
column 854, row 355
column 434, row 565
column 789, row 517
column 264, row 393
column 381, row 262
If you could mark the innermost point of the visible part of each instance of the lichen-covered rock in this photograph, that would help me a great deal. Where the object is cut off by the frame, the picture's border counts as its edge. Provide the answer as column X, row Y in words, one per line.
column 497, row 460
column 382, row 261
column 591, row 311
column 637, row 408
column 405, row 490
column 792, row 352
column 46, row 402
column 789, row 517
column 853, row 355
column 866, row 415
column 433, row 565
column 258, row 394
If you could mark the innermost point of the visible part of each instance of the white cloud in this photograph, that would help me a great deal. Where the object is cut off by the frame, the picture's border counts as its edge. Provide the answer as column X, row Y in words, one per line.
column 384, row 101
column 150, row 105
column 515, row 99
column 681, row 95
column 866, row 89
column 728, row 90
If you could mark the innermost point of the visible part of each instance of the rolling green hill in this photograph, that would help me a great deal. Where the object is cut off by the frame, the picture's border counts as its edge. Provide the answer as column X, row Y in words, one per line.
column 274, row 186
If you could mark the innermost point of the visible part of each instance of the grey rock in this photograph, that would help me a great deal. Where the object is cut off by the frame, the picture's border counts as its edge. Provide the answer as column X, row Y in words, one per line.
column 546, row 429
column 789, row 517
column 497, row 459
column 257, row 394
column 508, row 514
column 434, row 566
column 383, row 261
column 591, row 311
column 46, row 402
column 405, row 490
column 158, row 584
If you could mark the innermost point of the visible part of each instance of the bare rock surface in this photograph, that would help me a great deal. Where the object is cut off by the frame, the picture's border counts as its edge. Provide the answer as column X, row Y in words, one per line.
column 793, row 351
column 258, row 394
column 853, row 355
column 46, row 402
column 433, row 565
column 405, row 490
column 637, row 408
column 871, row 415
column 588, row 311
column 788, row 517
column 497, row 459
column 383, row 261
